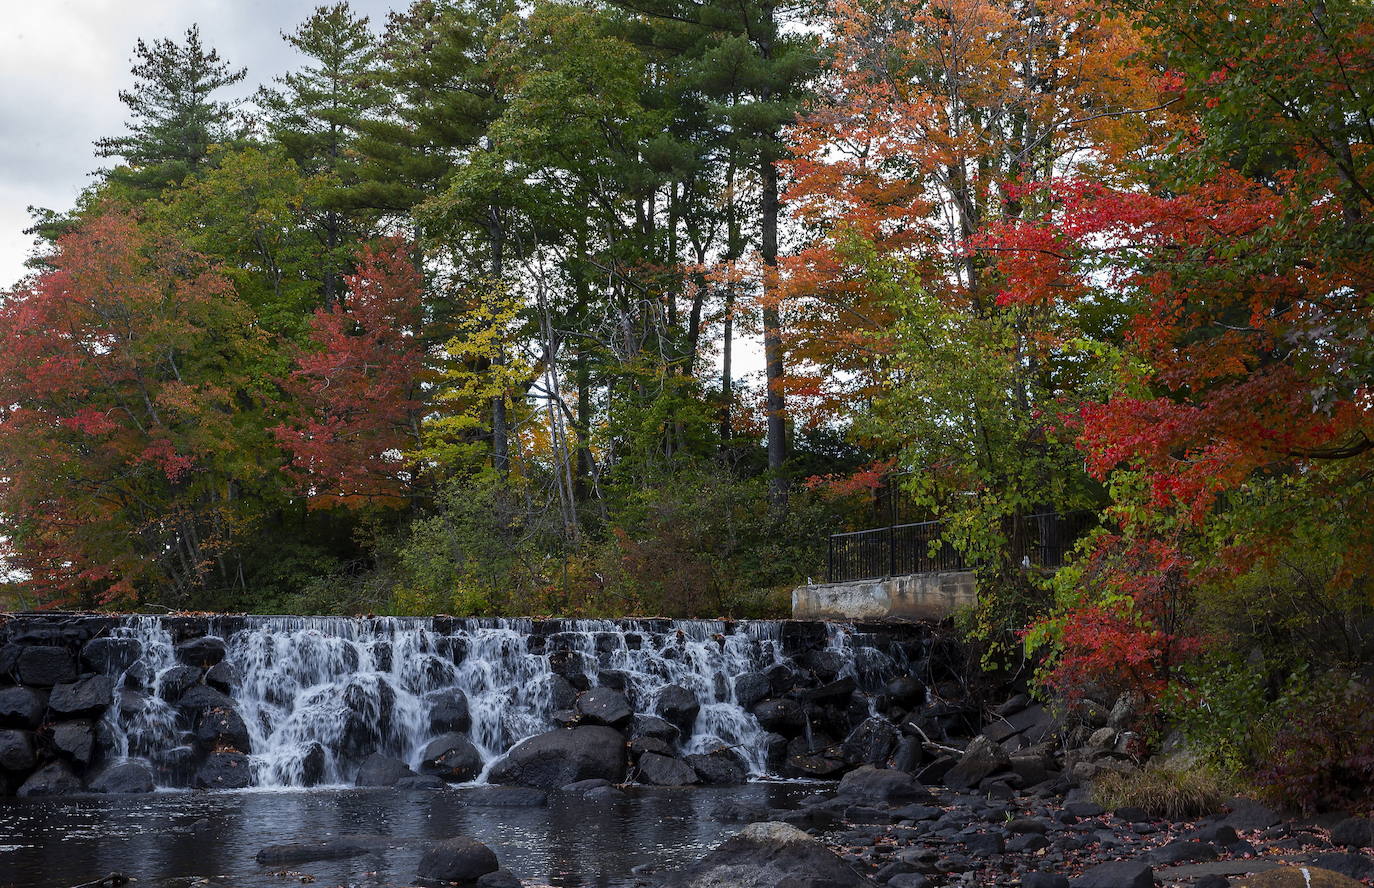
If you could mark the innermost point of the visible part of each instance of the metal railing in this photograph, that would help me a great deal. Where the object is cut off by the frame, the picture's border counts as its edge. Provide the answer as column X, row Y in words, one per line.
column 1036, row 541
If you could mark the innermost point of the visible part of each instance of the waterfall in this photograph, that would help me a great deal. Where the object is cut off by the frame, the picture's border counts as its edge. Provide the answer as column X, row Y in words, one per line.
column 316, row 695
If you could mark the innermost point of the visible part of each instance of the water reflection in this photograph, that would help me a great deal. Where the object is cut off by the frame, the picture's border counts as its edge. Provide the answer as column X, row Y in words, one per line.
column 573, row 843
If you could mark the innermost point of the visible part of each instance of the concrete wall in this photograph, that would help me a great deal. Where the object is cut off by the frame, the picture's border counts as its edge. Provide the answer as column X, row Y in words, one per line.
column 927, row 596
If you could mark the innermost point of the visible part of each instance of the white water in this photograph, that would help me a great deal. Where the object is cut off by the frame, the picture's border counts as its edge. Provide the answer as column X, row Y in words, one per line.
column 344, row 688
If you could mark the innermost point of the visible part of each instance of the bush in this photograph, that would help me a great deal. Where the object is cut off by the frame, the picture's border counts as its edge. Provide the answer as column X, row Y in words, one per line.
column 1322, row 755
column 1164, row 791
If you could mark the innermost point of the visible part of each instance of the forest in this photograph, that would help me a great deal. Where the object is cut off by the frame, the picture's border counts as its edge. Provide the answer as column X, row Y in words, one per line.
column 449, row 320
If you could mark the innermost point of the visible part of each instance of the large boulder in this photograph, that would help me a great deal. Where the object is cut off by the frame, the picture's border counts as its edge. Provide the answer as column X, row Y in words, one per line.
column 872, row 743
column 448, row 712
column 460, row 860
column 719, row 767
column 751, row 687
column 75, row 740
column 53, row 779
column 111, row 656
column 981, row 759
column 557, row 758
column 679, row 706
column 769, row 855
column 380, row 770
column 222, row 677
column 224, row 770
column 176, row 681
column 1353, row 832
column 652, row 726
column 783, row 716
column 43, row 666
column 21, row 708
column 125, row 777
column 452, row 757
column 87, row 697
column 201, row 698
column 222, row 728
column 201, row 652
column 662, row 770
column 604, row 706
column 870, row 785
column 16, row 752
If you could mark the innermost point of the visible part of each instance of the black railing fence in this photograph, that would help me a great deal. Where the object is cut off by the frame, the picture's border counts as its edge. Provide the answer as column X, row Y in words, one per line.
column 1036, row 541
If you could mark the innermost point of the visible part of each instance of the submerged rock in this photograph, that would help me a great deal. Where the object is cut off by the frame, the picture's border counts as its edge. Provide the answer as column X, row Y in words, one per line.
column 769, row 855
column 326, row 849
column 557, row 758
column 459, row 860
column 719, row 767
column 381, row 770
column 661, row 770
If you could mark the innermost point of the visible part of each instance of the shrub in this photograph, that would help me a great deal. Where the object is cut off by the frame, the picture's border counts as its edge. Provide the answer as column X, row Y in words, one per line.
column 1164, row 791
column 1322, row 756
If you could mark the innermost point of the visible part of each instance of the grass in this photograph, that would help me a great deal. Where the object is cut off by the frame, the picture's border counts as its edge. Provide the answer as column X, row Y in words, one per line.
column 1172, row 793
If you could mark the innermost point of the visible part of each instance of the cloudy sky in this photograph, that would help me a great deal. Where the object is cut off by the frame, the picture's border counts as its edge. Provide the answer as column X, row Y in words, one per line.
column 63, row 62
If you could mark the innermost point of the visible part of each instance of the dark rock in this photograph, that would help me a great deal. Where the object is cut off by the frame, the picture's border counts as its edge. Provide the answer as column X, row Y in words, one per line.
column 1356, row 866
column 561, row 692
column 201, row 698
column 560, row 757
column 1085, row 809
column 660, row 770
column 981, row 759
column 906, row 690
column 986, row 845
column 604, row 706
column 1181, row 851
column 224, row 770
column 1030, row 770
column 87, row 697
column 783, row 716
column 222, row 728
column 1212, row 881
column 1043, row 880
column 1027, row 843
column 452, row 757
column 679, row 706
column 909, row 880
column 21, row 708
column 448, row 712
column 505, row 797
column 1220, row 834
column 458, row 859
column 1132, row 814
column 1028, row 825
column 615, row 679
column 50, row 780
column 1354, row 832
column 887, row 786
column 583, row 786
column 75, row 740
column 419, row 782
column 16, row 752
column 201, row 652
column 381, row 770
column 750, row 688
column 1248, row 814
column 908, row 755
column 769, row 855
column 325, row 849
column 1117, row 874
column 640, row 745
column 313, row 764
column 871, row 743
column 719, row 767
column 176, row 681
column 43, row 666
column 125, row 777
column 111, row 656
column 501, row 878
column 222, row 677
column 653, row 726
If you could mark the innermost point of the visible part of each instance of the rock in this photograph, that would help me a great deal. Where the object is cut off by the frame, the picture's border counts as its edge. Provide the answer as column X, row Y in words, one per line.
column 125, row 777
column 1123, row 712
column 176, row 681
column 783, row 716
column 679, row 706
column 604, row 706
column 655, row 727
column 1025, row 825
column 43, row 666
column 224, row 770
column 1117, row 874
column 1181, row 851
column 981, row 759
column 1353, row 832
column 1250, row 814
column 448, row 712
column 501, row 878
column 1102, row 739
column 200, row 698
column 1132, row 814
column 1297, row 877
column 1356, row 866
column 660, row 770
column 750, row 688
column 908, row 880
column 887, row 786
column 505, row 797
column 871, row 743
column 556, row 758
column 223, row 729
column 16, row 752
column 640, row 745
column 1085, row 809
column 313, row 764
column 419, row 782
column 1043, row 880
column 201, row 652
column 561, row 692
column 452, row 757
column 769, row 855
column 986, row 845
column 325, row 849
column 111, row 656
column 21, row 708
column 906, row 690
column 75, row 740
column 719, row 767
column 222, row 677
column 381, row 770
column 458, row 859
column 53, row 779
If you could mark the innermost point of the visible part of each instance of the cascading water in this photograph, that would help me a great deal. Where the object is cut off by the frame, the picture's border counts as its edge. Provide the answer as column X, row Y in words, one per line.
column 318, row 695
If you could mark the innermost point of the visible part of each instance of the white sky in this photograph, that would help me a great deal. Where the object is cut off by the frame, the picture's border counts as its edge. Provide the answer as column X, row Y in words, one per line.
column 63, row 62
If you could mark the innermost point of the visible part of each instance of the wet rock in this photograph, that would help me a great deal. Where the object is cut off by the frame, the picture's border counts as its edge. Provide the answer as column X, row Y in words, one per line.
column 75, row 740
column 176, row 681
column 750, row 688
column 43, row 666
column 21, row 707
column 381, row 770
column 448, row 712
column 561, row 692
column 201, row 698
column 222, row 677
column 505, row 797
column 871, row 743
column 458, row 859
column 1117, row 874
column 906, row 690
column 604, row 706
column 16, row 751
column 719, row 767
column 201, row 652
column 313, row 764
column 640, row 745
column 222, row 728
column 50, row 780
column 560, row 757
column 424, row 782
column 124, row 778
column 887, row 786
column 783, row 716
column 111, row 656
column 326, row 849
column 652, row 726
column 224, row 770
column 661, row 770
column 769, row 855
column 501, row 878
column 981, row 759
column 451, row 757
column 679, row 706
column 1354, row 832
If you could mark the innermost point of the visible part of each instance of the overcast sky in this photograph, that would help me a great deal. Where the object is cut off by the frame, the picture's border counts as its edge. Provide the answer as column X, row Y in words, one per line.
column 63, row 62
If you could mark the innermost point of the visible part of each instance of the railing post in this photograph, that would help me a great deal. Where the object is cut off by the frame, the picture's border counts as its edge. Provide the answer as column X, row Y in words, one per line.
column 830, row 560
column 891, row 551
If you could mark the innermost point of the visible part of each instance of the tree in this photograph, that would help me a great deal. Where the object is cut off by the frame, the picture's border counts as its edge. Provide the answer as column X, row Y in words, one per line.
column 175, row 119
